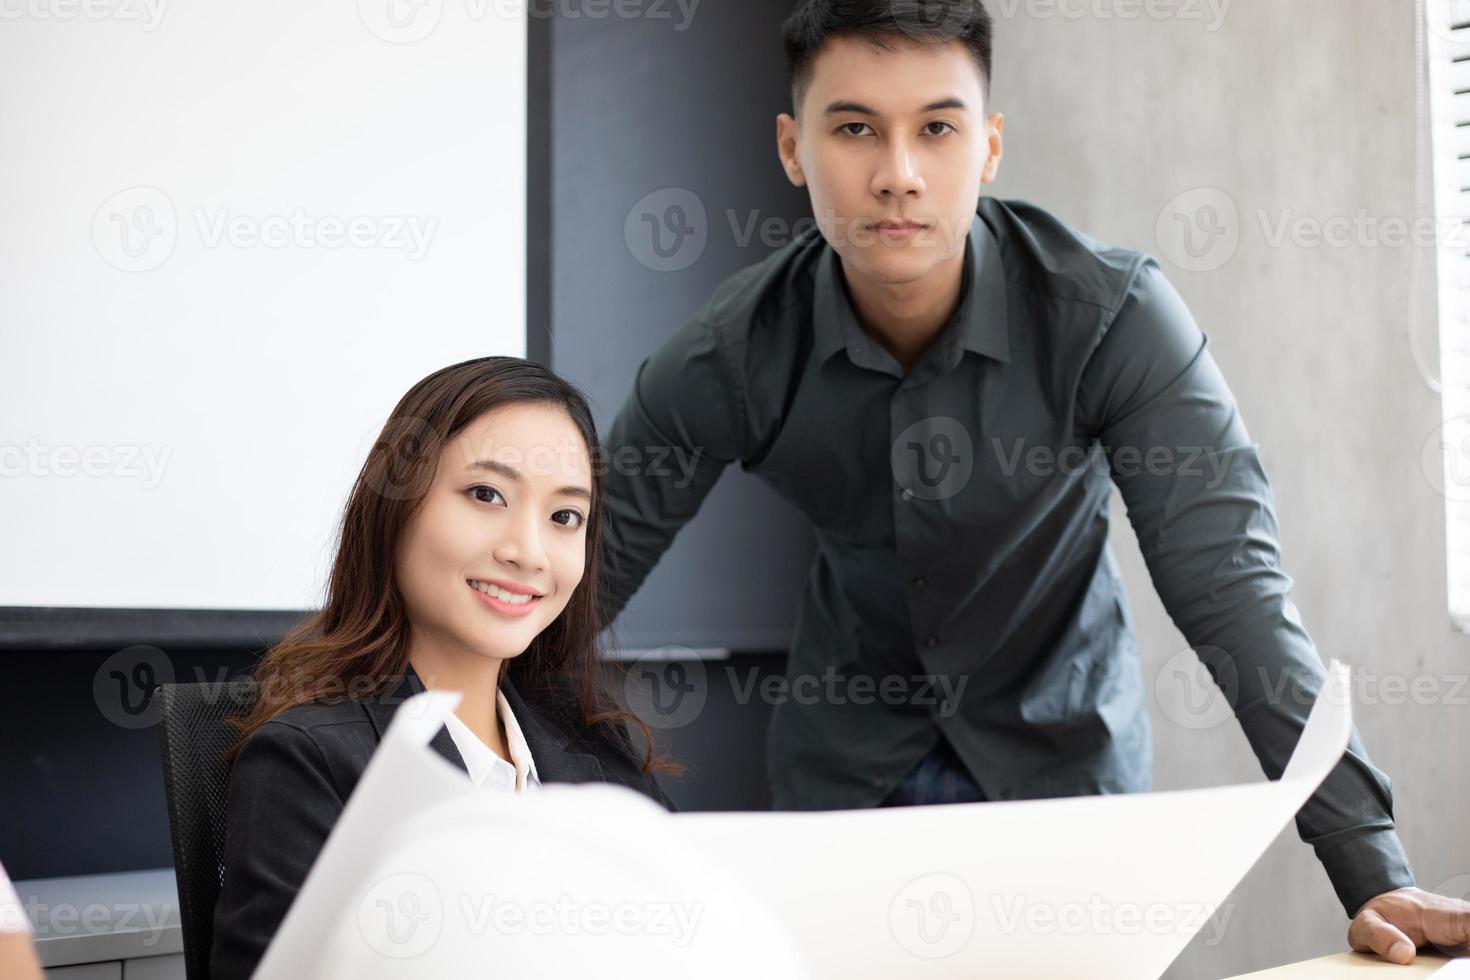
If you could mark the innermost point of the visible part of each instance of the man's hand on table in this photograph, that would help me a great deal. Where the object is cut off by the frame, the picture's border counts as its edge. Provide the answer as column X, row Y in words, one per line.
column 1395, row 924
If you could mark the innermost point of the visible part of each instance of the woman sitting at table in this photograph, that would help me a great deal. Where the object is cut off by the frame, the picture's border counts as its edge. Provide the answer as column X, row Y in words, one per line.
column 460, row 566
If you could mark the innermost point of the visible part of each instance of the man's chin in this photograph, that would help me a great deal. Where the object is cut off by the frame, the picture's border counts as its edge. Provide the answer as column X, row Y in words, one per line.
column 890, row 265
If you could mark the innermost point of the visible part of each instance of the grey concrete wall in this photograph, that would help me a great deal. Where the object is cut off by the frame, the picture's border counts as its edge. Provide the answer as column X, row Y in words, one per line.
column 1299, row 110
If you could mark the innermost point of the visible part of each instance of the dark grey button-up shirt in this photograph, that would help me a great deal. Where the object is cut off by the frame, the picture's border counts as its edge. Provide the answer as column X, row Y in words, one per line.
column 962, row 581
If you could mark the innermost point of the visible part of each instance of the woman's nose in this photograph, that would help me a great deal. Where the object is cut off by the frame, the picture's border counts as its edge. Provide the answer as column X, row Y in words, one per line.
column 521, row 545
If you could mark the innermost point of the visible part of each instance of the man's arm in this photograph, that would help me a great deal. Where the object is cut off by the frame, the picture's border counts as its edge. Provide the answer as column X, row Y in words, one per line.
column 682, row 424
column 1203, row 511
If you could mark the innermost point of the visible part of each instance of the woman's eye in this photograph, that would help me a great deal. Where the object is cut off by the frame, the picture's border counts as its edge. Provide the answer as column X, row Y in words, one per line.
column 476, row 492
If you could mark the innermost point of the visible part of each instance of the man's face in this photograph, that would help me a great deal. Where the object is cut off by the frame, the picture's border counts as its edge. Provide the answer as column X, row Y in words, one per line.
column 893, row 135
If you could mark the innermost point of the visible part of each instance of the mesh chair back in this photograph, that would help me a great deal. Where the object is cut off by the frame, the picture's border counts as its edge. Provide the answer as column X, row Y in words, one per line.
column 196, row 737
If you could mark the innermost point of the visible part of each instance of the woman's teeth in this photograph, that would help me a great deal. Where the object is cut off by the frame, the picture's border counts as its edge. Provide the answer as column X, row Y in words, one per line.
column 501, row 594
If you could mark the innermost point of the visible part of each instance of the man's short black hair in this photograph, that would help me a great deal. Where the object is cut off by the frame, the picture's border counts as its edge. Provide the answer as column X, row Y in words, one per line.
column 815, row 22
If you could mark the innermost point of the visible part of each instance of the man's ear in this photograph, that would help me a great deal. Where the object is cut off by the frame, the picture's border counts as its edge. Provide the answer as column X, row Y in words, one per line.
column 995, row 124
column 787, row 132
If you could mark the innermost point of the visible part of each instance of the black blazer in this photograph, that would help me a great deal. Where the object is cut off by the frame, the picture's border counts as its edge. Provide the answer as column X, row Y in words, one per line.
column 292, row 779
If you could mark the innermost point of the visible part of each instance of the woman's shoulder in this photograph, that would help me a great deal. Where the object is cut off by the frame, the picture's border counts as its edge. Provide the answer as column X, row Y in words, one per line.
column 553, row 708
column 333, row 736
column 321, row 714
column 315, row 721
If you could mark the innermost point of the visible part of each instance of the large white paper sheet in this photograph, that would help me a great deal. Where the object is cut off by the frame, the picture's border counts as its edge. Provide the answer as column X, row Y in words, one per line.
column 426, row 876
column 403, row 777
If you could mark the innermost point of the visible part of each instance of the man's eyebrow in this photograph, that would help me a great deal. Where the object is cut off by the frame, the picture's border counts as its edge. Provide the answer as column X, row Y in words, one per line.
column 847, row 105
column 511, row 473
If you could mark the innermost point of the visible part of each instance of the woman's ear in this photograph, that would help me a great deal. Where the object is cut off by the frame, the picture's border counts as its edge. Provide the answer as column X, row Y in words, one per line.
column 788, row 131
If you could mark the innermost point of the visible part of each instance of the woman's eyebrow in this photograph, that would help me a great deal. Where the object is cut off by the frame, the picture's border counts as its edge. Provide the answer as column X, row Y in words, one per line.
column 513, row 474
column 847, row 105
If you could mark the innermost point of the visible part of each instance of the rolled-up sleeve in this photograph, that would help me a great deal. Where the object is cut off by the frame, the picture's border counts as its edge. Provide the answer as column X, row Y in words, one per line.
column 681, row 425
column 1200, row 503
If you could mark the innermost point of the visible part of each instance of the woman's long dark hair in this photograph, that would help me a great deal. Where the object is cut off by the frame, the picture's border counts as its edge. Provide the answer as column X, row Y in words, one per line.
column 357, row 645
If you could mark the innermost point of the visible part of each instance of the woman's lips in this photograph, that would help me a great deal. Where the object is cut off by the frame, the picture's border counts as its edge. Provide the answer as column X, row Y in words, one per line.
column 500, row 606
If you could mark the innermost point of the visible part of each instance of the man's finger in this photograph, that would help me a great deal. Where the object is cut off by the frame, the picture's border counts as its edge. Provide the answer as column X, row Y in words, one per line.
column 1371, row 932
column 1447, row 924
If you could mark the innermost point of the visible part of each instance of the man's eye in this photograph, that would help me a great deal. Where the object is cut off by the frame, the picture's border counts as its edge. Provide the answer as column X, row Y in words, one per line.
column 937, row 123
column 847, row 127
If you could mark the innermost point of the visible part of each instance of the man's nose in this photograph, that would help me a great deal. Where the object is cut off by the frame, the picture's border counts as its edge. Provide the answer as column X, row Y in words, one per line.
column 898, row 173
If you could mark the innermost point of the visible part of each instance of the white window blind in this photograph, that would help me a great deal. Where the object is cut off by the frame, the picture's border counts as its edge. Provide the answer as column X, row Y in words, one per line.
column 1447, row 48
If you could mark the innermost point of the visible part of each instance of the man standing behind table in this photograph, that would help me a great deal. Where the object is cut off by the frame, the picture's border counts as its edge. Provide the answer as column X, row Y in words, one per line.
column 948, row 385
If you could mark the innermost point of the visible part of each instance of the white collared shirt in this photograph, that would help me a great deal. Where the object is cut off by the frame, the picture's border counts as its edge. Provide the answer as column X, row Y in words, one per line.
column 487, row 769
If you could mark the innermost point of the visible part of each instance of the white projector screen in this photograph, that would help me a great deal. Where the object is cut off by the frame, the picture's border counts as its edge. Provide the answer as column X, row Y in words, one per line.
column 232, row 235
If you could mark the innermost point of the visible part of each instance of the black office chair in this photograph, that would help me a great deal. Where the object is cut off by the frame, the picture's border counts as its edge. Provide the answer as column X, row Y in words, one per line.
column 195, row 778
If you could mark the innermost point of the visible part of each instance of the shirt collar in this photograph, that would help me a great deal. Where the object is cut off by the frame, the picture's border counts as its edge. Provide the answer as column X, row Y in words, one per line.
column 562, row 759
column 480, row 760
column 978, row 324
column 525, row 763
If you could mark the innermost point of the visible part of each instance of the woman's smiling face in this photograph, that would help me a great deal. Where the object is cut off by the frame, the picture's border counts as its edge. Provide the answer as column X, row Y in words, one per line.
column 507, row 511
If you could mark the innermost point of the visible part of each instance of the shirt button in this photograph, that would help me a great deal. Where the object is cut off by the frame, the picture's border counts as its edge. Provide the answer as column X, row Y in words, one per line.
column 931, row 642
column 907, row 494
column 919, row 582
